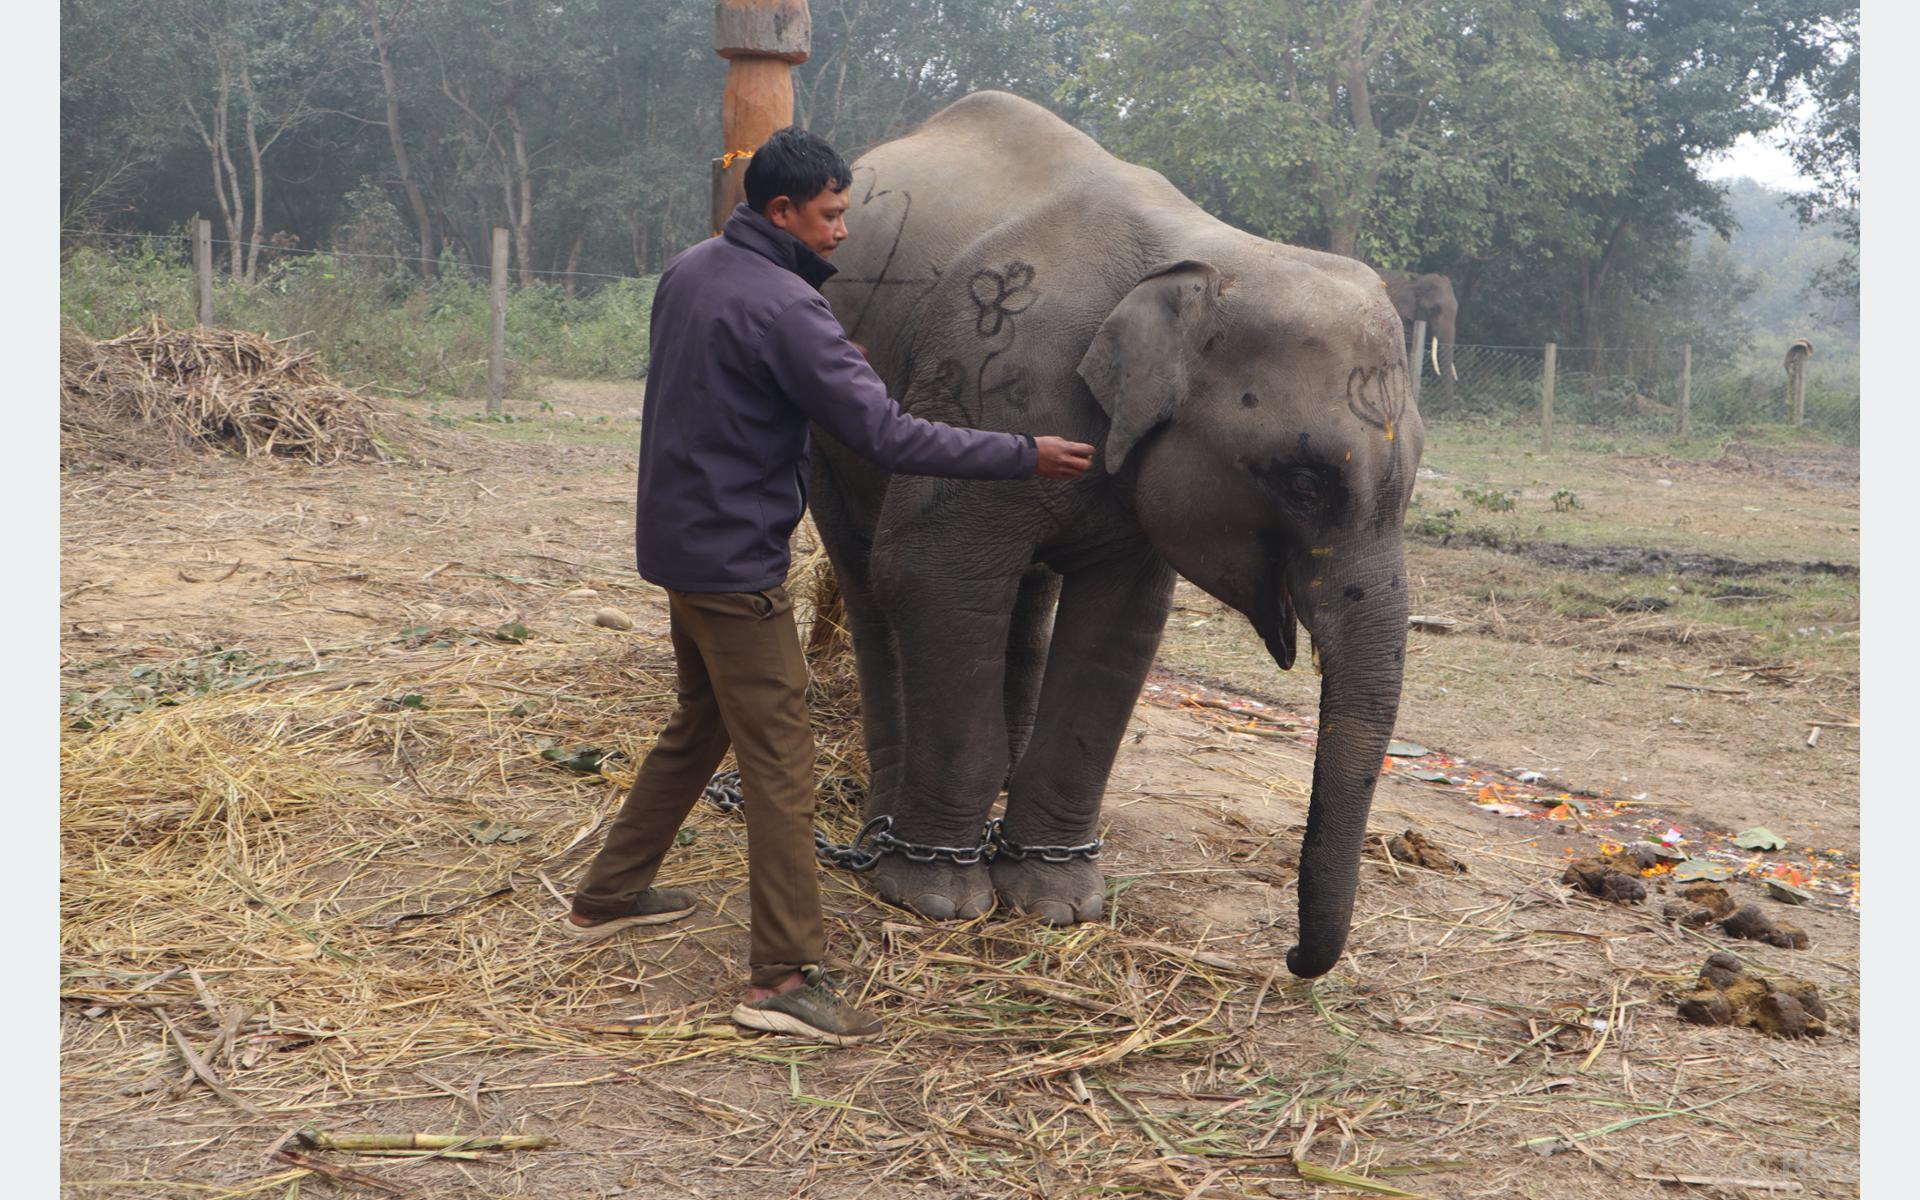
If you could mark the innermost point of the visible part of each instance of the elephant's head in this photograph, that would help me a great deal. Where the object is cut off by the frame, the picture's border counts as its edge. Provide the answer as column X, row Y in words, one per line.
column 1263, row 427
column 1428, row 298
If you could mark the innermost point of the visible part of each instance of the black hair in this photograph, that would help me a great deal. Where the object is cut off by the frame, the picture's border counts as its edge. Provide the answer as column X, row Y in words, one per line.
column 797, row 164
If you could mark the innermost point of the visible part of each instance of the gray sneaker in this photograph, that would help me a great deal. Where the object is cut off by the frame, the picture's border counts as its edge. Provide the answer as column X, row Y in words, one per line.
column 814, row 1012
column 655, row 906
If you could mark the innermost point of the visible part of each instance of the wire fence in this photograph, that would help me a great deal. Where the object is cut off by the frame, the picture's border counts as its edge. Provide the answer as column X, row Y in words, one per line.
column 382, row 314
column 1655, row 391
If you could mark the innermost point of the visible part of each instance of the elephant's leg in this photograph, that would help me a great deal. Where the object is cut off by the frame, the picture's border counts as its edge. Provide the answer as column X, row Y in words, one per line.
column 1027, row 655
column 947, row 584
column 876, row 657
column 1108, row 626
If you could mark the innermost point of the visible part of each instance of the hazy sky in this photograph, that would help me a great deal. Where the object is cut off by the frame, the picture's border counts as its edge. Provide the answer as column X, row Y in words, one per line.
column 1758, row 160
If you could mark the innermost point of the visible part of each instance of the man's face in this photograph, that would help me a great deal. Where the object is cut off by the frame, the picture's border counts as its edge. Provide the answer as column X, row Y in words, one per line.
column 820, row 222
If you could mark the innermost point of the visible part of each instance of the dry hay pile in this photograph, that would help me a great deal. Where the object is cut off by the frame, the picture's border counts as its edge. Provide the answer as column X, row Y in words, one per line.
column 239, row 391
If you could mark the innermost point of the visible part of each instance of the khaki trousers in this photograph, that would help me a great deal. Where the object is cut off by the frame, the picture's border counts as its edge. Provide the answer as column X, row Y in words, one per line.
column 742, row 682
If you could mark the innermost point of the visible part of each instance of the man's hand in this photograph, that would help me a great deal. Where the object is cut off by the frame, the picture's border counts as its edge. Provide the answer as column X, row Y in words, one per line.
column 1060, row 458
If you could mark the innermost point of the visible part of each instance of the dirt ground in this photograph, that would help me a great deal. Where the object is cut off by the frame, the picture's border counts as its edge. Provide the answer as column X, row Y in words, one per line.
column 328, row 645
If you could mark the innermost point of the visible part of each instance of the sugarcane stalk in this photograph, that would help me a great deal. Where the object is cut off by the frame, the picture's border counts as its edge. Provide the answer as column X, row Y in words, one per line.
column 314, row 1140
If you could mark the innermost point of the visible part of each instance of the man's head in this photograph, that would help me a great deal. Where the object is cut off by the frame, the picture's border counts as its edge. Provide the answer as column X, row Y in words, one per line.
column 799, row 183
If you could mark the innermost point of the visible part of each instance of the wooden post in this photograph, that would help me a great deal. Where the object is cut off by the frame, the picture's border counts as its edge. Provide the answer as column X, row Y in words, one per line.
column 761, row 40
column 1416, row 366
column 1686, row 389
column 497, row 336
column 1546, row 400
column 203, row 269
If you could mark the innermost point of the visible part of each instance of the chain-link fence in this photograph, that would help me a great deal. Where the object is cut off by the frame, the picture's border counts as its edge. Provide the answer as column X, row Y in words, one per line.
column 1641, row 390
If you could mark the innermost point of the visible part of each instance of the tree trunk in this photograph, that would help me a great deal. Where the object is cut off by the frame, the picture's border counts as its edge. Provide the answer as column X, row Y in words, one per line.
column 573, row 263
column 256, row 156
column 226, row 185
column 422, row 219
column 523, row 218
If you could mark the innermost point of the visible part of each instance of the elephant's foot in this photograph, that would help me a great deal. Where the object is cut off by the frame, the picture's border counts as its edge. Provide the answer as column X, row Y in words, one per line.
column 940, row 890
column 1058, row 893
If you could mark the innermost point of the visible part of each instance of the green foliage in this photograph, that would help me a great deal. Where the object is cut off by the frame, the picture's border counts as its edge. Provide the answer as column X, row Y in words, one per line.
column 1487, row 499
column 106, row 291
column 1401, row 132
column 371, row 324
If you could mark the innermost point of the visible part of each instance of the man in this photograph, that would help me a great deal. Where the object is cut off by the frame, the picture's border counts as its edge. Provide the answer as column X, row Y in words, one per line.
column 745, row 352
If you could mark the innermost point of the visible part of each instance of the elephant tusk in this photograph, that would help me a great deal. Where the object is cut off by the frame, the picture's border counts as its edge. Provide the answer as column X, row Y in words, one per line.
column 1436, row 355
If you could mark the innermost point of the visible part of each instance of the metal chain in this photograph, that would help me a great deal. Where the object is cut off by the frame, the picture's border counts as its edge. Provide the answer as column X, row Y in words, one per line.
column 876, row 839
column 724, row 790
column 1002, row 848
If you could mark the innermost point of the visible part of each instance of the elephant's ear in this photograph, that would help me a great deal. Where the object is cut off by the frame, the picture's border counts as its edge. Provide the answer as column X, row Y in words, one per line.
column 1139, row 362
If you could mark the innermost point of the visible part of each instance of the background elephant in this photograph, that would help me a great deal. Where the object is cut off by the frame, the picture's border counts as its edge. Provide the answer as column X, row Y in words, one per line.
column 1256, row 433
column 1428, row 298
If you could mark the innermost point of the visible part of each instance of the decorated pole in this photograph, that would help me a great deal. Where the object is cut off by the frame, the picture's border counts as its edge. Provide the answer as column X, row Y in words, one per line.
column 762, row 41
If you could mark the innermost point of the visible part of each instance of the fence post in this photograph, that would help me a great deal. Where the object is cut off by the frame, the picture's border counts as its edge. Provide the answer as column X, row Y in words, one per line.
column 497, row 336
column 1686, row 389
column 1797, row 389
column 1415, row 363
column 1546, row 400
column 203, row 269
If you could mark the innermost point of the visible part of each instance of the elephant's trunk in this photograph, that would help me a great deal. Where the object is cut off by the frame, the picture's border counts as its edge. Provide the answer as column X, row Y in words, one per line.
column 1361, row 647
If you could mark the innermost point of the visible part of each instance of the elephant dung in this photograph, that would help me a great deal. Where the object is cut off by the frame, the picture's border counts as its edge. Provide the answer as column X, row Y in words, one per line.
column 1599, row 877
column 1700, row 904
column 1413, row 847
column 1750, row 923
column 1727, row 995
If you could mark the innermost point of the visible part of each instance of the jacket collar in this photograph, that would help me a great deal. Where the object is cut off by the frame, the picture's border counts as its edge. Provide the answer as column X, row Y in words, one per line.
column 752, row 231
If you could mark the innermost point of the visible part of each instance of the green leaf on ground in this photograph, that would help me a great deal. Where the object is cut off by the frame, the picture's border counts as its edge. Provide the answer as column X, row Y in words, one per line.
column 1700, row 868
column 513, row 632
column 488, row 833
column 1426, row 776
column 1786, row 893
column 584, row 759
column 1759, row 838
column 1400, row 749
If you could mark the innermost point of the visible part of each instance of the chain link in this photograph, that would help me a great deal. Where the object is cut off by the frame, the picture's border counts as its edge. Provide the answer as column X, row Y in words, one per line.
column 724, row 790
column 1002, row 848
column 876, row 839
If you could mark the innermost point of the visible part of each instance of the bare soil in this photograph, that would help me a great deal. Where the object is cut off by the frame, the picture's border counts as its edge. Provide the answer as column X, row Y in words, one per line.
column 1491, row 1033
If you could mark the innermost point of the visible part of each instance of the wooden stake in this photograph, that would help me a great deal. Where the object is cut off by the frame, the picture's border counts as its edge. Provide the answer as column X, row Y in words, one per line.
column 762, row 41
column 1546, row 400
column 1686, row 389
column 203, row 269
column 497, row 334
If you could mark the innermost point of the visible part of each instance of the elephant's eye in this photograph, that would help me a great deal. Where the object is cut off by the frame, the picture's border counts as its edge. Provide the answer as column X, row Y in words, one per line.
column 1304, row 483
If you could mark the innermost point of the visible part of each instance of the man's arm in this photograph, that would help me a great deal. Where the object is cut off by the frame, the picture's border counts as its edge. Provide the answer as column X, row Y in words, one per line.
column 811, row 359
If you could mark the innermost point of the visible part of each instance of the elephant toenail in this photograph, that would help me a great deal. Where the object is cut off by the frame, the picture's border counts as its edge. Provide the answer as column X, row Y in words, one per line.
column 1091, row 907
column 934, row 905
column 1053, row 912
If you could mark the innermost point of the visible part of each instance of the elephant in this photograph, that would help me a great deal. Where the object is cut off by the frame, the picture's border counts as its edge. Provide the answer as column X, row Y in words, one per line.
column 1255, row 432
column 1428, row 298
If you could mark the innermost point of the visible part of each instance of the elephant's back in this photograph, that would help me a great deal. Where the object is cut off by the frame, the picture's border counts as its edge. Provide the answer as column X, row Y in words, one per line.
column 988, row 161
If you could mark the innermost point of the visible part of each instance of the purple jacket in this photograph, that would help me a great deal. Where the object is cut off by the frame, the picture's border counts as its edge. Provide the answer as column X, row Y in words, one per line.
column 744, row 353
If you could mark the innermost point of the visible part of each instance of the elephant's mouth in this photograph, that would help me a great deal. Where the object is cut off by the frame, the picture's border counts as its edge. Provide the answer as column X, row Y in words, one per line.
column 1275, row 621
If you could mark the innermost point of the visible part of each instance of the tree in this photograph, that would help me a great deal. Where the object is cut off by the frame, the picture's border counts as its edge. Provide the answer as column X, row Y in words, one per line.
column 1401, row 131
column 1702, row 73
column 1826, row 148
